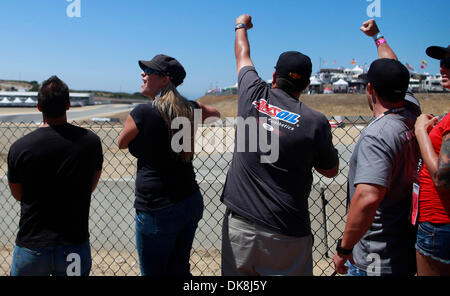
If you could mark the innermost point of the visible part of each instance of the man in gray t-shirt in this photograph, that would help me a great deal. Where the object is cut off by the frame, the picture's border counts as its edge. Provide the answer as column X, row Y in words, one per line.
column 378, row 238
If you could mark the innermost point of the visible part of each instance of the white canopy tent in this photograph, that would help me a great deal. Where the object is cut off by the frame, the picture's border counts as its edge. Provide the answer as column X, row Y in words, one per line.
column 340, row 86
column 315, row 81
column 357, row 70
column 341, row 82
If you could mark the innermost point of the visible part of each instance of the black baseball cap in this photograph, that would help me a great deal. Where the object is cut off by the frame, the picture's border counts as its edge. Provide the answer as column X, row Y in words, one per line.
column 294, row 66
column 388, row 77
column 437, row 52
column 167, row 66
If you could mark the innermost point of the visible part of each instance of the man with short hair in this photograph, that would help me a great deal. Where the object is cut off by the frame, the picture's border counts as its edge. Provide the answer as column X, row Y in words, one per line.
column 378, row 238
column 53, row 171
column 267, row 228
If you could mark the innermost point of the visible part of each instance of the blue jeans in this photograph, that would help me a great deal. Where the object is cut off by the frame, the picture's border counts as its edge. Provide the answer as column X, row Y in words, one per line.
column 164, row 237
column 354, row 271
column 73, row 260
column 433, row 240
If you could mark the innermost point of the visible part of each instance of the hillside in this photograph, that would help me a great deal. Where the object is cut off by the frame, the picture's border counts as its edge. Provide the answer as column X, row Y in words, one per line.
column 15, row 85
column 336, row 104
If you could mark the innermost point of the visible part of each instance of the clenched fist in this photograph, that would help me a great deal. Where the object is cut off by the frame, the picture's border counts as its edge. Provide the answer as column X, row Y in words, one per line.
column 246, row 20
column 370, row 28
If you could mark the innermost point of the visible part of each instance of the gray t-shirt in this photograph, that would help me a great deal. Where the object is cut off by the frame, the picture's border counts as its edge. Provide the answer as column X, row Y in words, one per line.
column 387, row 155
column 275, row 195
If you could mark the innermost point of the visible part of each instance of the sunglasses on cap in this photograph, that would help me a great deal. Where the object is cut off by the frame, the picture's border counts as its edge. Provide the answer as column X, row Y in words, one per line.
column 445, row 63
column 149, row 71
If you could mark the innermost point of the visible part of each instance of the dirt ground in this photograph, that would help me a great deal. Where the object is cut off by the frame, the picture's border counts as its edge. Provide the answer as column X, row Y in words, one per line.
column 113, row 263
column 336, row 104
column 119, row 164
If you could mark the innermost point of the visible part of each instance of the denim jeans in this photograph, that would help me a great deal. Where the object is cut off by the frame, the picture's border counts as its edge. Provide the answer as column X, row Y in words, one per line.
column 73, row 260
column 354, row 271
column 433, row 240
column 164, row 237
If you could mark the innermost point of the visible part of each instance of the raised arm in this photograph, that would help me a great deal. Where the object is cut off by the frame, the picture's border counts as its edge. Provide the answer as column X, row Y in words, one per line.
column 370, row 28
column 241, row 45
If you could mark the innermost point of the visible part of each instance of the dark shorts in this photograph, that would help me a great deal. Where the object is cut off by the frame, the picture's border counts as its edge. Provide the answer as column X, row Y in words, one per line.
column 433, row 240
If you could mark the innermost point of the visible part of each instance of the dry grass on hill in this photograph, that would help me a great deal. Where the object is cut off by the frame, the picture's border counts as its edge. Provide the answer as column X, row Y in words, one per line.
column 336, row 104
column 330, row 105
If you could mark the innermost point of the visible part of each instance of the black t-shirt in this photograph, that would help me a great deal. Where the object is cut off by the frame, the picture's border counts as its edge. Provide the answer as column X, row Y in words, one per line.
column 161, row 179
column 275, row 194
column 55, row 167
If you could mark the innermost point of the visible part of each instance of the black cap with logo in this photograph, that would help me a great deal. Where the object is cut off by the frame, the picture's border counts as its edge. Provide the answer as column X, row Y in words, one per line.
column 388, row 77
column 167, row 66
column 294, row 66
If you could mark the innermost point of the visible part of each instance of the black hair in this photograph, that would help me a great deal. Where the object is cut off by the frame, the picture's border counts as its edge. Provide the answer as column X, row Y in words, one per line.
column 290, row 87
column 389, row 96
column 53, row 97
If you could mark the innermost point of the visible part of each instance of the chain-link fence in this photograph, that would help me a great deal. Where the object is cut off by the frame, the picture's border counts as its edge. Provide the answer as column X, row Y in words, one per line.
column 112, row 213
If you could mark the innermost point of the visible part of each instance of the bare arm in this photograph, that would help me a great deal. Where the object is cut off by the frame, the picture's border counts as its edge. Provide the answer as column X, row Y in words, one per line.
column 442, row 175
column 370, row 28
column 241, row 45
column 362, row 211
column 331, row 173
column 423, row 123
column 208, row 112
column 129, row 132
column 95, row 179
column 16, row 190
column 438, row 165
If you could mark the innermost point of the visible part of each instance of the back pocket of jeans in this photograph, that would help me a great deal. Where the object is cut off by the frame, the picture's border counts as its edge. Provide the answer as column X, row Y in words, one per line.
column 31, row 252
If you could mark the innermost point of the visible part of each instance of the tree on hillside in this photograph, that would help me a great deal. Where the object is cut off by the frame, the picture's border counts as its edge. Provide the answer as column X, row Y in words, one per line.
column 34, row 86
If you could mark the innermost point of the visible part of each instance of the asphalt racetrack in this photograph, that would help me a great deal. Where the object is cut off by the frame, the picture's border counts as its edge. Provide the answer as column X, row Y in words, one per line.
column 82, row 113
column 112, row 212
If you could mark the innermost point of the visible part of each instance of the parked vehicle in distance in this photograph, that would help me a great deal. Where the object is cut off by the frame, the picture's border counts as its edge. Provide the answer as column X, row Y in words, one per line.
column 432, row 84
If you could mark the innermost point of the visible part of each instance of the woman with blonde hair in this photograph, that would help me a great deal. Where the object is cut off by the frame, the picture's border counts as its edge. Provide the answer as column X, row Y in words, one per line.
column 168, row 201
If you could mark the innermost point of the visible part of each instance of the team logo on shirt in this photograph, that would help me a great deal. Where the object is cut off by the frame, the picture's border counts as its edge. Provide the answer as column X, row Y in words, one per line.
column 276, row 112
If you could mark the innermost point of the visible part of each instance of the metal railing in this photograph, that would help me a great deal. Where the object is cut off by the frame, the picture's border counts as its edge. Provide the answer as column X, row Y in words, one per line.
column 112, row 233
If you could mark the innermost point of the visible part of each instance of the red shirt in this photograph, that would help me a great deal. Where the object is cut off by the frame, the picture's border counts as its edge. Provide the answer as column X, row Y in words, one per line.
column 433, row 207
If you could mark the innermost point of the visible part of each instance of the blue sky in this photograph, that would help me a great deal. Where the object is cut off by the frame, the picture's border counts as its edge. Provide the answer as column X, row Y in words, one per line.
column 99, row 50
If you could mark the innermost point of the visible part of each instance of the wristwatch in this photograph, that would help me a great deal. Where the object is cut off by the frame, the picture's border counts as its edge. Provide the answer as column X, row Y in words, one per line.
column 239, row 26
column 342, row 251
